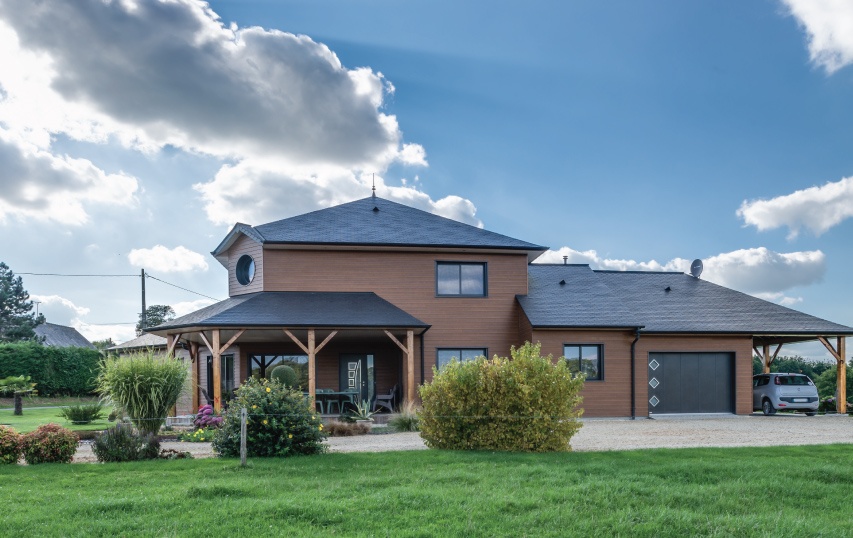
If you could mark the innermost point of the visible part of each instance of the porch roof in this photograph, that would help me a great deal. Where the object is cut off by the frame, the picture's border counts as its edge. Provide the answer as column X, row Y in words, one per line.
column 273, row 309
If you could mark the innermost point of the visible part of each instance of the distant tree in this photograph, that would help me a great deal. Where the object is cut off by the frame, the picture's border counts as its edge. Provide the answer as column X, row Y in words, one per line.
column 793, row 365
column 17, row 322
column 102, row 345
column 155, row 315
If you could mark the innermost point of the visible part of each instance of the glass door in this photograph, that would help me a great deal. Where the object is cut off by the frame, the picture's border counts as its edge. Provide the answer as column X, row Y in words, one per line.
column 357, row 375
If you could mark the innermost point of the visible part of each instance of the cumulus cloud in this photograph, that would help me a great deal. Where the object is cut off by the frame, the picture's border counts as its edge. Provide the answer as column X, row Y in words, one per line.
column 186, row 307
column 39, row 185
column 119, row 333
column 829, row 26
column 817, row 209
column 758, row 271
column 261, row 191
column 58, row 310
column 165, row 260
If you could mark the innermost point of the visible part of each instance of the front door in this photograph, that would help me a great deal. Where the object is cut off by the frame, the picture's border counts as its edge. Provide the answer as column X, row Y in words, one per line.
column 357, row 375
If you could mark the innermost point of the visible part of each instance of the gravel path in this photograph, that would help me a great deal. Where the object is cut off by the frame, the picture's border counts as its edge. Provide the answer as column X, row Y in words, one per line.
column 622, row 434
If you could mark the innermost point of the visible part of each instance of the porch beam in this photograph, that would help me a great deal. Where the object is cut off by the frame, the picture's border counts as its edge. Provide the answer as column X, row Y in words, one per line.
column 312, row 371
column 399, row 344
column 296, row 340
column 171, row 342
column 206, row 341
column 828, row 346
column 232, row 340
column 194, row 366
column 841, row 376
column 410, row 365
column 217, row 373
column 325, row 341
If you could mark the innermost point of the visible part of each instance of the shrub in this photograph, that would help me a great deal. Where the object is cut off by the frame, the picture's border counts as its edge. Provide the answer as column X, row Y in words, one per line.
column 83, row 413
column 49, row 443
column 122, row 443
column 347, row 429
column 10, row 445
column 406, row 419
column 206, row 417
column 68, row 371
column 280, row 423
column 144, row 385
column 201, row 435
column 171, row 454
column 285, row 375
column 527, row 403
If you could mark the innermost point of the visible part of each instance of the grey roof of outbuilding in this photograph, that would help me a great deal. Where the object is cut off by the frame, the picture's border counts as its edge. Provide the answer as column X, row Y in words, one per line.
column 572, row 296
column 298, row 309
column 634, row 298
column 375, row 221
column 144, row 341
column 62, row 336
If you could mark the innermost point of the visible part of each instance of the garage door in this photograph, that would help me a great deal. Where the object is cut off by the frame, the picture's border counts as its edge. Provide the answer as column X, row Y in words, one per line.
column 691, row 383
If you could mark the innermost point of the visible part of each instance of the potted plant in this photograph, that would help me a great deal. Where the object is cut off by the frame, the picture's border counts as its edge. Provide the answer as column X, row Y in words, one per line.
column 362, row 412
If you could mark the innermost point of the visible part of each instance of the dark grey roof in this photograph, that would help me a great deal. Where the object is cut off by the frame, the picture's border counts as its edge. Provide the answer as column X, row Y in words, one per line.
column 377, row 222
column 298, row 309
column 697, row 306
column 62, row 336
column 144, row 341
column 582, row 301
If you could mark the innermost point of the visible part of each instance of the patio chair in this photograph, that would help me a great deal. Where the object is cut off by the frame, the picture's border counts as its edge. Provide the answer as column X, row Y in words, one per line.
column 386, row 400
column 333, row 400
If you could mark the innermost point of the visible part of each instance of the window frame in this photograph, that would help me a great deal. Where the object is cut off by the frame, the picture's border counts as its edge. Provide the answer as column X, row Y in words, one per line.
column 438, row 351
column 225, row 374
column 579, row 346
column 484, row 265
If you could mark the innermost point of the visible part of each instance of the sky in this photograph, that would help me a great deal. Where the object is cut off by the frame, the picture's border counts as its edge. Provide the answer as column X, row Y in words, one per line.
column 623, row 134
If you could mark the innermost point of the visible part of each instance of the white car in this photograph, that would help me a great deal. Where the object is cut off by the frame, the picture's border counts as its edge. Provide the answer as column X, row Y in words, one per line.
column 774, row 392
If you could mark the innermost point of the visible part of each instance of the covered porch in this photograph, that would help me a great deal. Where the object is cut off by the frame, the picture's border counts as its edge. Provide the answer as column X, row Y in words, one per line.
column 342, row 346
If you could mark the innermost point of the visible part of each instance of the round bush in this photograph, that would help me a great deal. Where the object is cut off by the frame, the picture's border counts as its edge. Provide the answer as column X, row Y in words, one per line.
column 285, row 375
column 10, row 445
column 280, row 423
column 50, row 443
column 122, row 443
column 525, row 404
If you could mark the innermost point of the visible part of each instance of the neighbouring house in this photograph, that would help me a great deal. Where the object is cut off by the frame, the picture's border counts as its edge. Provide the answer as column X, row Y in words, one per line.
column 371, row 295
column 54, row 335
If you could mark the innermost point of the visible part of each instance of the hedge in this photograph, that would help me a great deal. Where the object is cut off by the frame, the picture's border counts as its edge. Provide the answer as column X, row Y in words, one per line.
column 69, row 371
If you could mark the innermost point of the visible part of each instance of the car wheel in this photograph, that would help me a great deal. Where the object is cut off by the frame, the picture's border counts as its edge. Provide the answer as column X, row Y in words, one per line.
column 811, row 413
column 767, row 408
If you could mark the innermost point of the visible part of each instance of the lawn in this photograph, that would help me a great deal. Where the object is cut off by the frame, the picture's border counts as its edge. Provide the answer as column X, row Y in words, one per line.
column 47, row 401
column 33, row 418
column 780, row 491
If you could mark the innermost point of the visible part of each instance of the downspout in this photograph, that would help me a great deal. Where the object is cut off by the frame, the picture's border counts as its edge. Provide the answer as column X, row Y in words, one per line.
column 634, row 376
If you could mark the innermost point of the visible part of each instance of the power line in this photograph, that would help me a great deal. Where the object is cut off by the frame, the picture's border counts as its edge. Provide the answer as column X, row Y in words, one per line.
column 60, row 274
column 122, row 276
column 180, row 288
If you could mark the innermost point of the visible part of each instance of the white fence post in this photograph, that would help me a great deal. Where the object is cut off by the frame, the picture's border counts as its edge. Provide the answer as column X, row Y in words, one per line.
column 243, row 437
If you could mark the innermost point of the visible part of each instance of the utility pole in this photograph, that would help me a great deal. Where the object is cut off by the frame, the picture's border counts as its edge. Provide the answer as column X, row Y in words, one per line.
column 143, row 320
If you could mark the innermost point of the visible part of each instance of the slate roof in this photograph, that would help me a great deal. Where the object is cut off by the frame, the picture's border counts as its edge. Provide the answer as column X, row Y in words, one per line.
column 375, row 221
column 62, row 336
column 583, row 300
column 640, row 299
column 144, row 341
column 298, row 309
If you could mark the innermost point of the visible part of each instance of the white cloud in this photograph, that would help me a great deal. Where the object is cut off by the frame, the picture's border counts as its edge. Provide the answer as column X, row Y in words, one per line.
column 758, row 271
column 816, row 208
column 159, row 258
column 58, row 310
column 829, row 25
column 39, row 185
column 262, row 191
column 119, row 333
column 186, row 307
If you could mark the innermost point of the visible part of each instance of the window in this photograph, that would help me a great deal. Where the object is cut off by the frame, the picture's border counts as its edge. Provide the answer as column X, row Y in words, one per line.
column 464, row 354
column 245, row 270
column 586, row 359
column 227, row 376
column 261, row 366
column 460, row 279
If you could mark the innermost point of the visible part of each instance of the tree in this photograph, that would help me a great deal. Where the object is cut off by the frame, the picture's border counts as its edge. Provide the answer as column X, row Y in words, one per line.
column 102, row 345
column 17, row 322
column 17, row 386
column 155, row 315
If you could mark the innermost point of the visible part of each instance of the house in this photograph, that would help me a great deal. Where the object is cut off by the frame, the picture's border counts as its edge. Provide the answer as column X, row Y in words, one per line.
column 54, row 335
column 372, row 294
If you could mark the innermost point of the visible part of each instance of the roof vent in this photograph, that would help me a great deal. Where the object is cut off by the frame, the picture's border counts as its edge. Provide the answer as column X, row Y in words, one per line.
column 375, row 209
column 562, row 282
column 667, row 289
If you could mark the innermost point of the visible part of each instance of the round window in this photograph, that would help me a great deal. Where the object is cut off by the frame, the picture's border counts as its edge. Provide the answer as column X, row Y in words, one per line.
column 245, row 271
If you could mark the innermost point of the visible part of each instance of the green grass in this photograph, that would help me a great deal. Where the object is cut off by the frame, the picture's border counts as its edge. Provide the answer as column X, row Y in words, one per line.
column 33, row 418
column 780, row 491
column 47, row 401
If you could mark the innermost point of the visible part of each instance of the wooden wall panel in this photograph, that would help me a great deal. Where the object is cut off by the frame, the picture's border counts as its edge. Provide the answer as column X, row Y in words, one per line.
column 612, row 396
column 244, row 245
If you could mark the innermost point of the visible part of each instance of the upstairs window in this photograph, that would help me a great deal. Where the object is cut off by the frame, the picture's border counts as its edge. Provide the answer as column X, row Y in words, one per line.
column 465, row 354
column 456, row 279
column 586, row 359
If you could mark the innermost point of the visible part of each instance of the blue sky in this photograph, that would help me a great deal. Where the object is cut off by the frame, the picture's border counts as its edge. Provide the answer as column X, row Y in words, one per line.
column 627, row 135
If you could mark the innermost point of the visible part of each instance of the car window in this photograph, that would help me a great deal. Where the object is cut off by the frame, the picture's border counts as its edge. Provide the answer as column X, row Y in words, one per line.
column 756, row 381
column 793, row 380
column 765, row 380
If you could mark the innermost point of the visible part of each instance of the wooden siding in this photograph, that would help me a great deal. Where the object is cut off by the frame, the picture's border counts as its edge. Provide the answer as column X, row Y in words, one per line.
column 244, row 245
column 611, row 397
column 407, row 279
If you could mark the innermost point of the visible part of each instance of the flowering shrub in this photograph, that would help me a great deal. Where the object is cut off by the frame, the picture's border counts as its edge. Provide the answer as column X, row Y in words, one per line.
column 827, row 405
column 528, row 403
column 201, row 435
column 206, row 418
column 122, row 443
column 280, row 423
column 50, row 443
column 10, row 445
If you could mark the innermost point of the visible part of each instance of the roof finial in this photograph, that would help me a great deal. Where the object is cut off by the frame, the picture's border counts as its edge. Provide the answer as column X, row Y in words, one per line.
column 374, row 185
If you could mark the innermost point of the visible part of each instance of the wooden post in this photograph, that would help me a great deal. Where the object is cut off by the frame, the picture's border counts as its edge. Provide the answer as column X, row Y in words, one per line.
column 194, row 366
column 410, row 365
column 766, row 359
column 312, row 370
column 217, row 373
column 841, row 375
column 243, row 437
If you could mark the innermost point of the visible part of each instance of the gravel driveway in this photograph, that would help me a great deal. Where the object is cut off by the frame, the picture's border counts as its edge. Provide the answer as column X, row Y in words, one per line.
column 624, row 434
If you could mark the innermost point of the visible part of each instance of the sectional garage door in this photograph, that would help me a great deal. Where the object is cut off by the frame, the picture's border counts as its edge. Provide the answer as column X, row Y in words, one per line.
column 691, row 383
